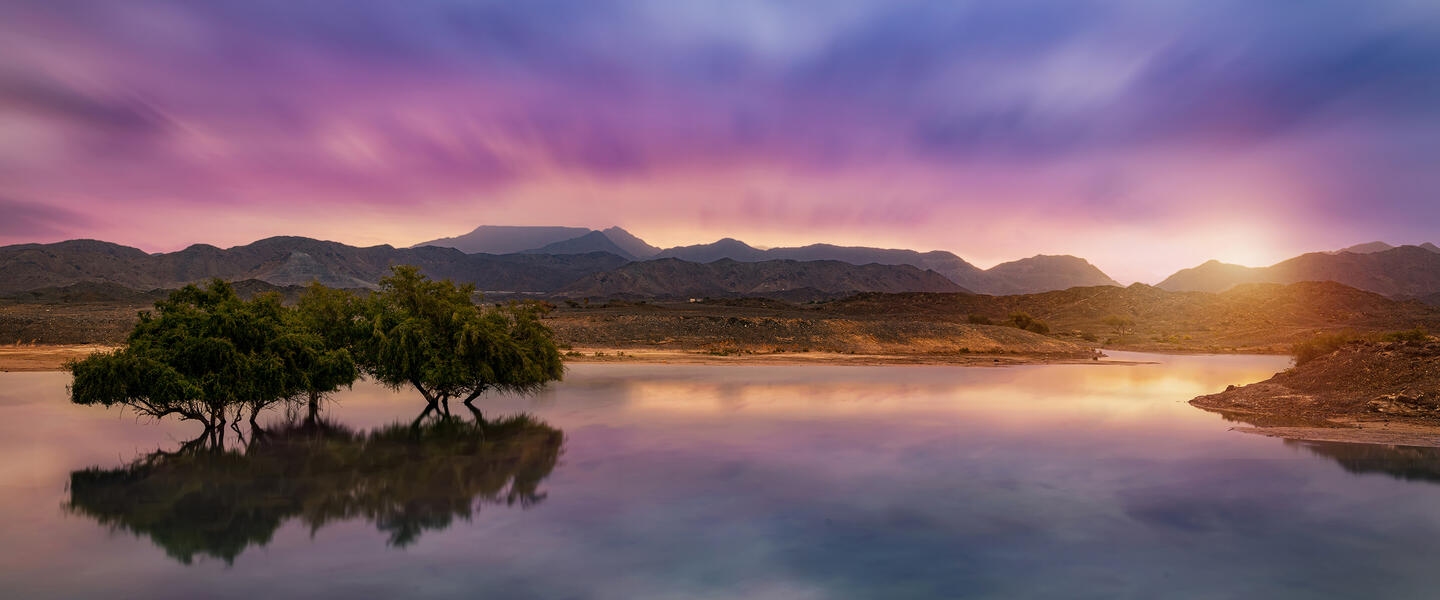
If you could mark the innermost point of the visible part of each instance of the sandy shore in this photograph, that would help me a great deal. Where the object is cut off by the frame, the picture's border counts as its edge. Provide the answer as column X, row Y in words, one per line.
column 54, row 357
column 43, row 358
column 611, row 355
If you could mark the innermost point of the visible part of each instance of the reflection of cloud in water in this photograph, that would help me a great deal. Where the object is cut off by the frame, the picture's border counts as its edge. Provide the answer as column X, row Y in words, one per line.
column 406, row 479
column 1014, row 396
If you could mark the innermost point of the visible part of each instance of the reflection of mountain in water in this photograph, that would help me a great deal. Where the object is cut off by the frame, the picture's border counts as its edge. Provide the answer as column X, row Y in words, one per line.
column 1410, row 463
column 405, row 479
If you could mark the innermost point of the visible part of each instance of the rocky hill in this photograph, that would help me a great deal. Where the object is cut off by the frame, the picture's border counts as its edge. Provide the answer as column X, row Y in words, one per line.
column 1386, row 385
column 1402, row 272
column 1034, row 274
column 1043, row 273
column 674, row 278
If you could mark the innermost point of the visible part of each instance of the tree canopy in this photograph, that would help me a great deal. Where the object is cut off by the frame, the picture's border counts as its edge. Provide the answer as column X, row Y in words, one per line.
column 433, row 336
column 1119, row 324
column 203, row 352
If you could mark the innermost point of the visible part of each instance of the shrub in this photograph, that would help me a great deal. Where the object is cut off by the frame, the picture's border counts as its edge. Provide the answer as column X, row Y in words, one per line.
column 1024, row 321
column 979, row 320
column 1320, row 345
column 1412, row 335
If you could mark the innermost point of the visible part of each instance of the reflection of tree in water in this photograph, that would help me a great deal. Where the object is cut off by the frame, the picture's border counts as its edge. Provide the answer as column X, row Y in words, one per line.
column 1410, row 463
column 405, row 479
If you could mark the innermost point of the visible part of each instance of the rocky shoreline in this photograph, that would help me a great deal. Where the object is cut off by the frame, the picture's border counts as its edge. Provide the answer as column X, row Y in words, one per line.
column 1374, row 392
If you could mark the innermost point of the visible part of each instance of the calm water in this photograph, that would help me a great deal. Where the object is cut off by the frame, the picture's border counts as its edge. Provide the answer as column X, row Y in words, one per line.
column 720, row 482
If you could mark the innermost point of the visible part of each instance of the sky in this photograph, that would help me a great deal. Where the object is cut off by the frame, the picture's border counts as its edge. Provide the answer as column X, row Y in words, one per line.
column 1144, row 136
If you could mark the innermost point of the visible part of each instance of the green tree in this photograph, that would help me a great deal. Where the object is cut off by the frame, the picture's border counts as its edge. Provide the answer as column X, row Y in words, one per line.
column 431, row 335
column 334, row 318
column 1119, row 324
column 201, row 354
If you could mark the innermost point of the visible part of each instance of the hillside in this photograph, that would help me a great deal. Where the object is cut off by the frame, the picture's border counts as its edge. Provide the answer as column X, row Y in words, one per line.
column 1402, row 272
column 1257, row 317
column 674, row 278
column 781, row 328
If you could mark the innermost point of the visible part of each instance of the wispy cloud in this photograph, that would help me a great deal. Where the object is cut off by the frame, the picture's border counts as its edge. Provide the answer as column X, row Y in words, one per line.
column 943, row 119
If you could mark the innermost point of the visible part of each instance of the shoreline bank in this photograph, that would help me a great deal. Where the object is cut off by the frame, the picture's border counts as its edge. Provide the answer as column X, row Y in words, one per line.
column 53, row 357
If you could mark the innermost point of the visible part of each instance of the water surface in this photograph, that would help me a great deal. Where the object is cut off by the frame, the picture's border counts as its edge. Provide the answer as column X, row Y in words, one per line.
column 690, row 481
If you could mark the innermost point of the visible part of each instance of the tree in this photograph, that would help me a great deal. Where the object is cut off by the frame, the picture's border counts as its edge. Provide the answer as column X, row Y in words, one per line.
column 202, row 353
column 334, row 317
column 1120, row 324
column 431, row 335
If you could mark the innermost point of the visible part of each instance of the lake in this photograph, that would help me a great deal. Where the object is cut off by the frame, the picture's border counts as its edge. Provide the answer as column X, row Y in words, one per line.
column 696, row 481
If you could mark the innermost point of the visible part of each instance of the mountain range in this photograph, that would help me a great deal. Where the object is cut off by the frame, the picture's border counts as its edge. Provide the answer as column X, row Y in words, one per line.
column 285, row 261
column 1035, row 274
column 1397, row 272
column 576, row 262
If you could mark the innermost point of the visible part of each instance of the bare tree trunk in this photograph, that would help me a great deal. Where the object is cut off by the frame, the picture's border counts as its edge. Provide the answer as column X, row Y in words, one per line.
column 314, row 408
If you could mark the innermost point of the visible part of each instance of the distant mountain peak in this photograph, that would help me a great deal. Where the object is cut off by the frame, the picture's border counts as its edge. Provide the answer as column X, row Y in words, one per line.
column 594, row 241
column 1045, row 272
column 1366, row 248
column 507, row 239
column 630, row 243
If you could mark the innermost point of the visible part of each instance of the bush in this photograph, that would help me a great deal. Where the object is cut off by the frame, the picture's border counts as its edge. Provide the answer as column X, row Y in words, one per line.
column 1320, row 345
column 1413, row 335
column 1024, row 321
column 979, row 320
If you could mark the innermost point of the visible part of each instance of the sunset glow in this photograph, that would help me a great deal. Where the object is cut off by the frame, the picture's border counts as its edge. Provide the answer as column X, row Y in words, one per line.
column 1243, row 131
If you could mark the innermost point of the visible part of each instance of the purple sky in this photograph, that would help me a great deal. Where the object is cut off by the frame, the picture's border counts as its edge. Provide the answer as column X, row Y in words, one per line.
column 1146, row 136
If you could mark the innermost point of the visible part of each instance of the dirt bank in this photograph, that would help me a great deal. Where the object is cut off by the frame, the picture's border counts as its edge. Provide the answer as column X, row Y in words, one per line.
column 1372, row 392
